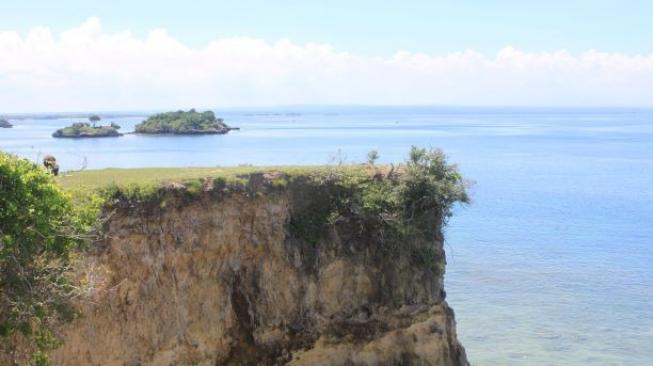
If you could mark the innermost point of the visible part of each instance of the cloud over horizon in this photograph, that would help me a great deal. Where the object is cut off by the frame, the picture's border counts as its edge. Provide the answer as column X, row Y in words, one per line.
column 87, row 68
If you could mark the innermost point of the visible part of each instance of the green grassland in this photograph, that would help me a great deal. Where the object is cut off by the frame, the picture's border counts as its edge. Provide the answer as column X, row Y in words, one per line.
column 96, row 179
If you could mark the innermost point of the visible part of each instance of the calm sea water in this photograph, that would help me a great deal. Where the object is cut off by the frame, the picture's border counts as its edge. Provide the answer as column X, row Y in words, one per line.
column 552, row 263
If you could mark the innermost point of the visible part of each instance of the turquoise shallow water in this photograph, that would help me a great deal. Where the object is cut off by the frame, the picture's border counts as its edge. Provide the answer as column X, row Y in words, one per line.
column 552, row 263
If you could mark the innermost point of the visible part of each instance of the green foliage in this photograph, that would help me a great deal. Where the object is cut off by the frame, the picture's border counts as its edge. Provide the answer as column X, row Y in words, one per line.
column 425, row 257
column 372, row 157
column 40, row 359
column 82, row 129
column 429, row 183
column 311, row 224
column 94, row 119
column 4, row 123
column 193, row 186
column 388, row 207
column 132, row 193
column 181, row 122
column 39, row 229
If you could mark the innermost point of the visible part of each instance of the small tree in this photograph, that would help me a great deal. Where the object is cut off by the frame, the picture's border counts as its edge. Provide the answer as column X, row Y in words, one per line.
column 429, row 182
column 94, row 119
column 39, row 229
column 372, row 157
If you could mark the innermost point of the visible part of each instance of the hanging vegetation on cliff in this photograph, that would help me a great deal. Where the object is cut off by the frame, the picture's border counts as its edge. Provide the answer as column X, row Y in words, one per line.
column 39, row 229
column 387, row 206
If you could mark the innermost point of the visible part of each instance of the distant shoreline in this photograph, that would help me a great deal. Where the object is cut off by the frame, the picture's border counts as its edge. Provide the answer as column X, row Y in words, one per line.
column 290, row 110
column 23, row 116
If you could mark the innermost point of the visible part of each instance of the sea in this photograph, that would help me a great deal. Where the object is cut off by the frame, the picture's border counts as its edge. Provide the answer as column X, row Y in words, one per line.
column 550, row 264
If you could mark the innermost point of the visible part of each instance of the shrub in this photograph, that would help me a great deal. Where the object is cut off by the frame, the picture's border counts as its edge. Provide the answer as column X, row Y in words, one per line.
column 39, row 229
column 372, row 157
column 391, row 206
column 430, row 183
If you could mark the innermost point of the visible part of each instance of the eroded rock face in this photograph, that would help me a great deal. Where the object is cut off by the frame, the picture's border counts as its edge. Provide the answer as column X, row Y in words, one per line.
column 221, row 280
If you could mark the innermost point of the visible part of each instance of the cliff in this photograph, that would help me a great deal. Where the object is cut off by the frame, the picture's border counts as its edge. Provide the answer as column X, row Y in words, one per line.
column 297, row 266
column 275, row 270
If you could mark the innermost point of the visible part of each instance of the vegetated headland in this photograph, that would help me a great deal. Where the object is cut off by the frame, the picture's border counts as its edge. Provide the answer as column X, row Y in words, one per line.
column 334, row 265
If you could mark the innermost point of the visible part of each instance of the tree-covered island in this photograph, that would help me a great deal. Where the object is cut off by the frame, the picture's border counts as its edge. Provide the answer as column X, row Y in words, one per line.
column 5, row 124
column 183, row 123
column 84, row 129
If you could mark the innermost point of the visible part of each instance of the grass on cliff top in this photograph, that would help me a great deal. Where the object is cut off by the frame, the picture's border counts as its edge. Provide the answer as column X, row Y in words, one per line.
column 90, row 180
column 424, row 182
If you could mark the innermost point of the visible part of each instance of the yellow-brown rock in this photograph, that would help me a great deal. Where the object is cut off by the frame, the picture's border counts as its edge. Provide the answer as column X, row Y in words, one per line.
column 220, row 279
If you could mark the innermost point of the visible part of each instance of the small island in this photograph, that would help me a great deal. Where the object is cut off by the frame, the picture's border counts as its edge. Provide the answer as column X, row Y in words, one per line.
column 183, row 123
column 85, row 129
column 5, row 124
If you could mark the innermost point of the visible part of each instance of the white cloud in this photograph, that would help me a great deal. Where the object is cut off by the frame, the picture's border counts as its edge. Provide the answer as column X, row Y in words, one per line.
column 86, row 68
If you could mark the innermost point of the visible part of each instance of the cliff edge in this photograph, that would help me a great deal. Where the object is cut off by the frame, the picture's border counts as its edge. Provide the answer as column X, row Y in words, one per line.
column 285, row 267
column 276, row 270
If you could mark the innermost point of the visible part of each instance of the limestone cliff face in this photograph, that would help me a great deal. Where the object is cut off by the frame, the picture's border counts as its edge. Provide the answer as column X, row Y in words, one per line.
column 221, row 279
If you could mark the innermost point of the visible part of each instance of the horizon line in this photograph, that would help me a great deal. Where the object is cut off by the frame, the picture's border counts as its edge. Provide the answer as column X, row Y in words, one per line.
column 137, row 112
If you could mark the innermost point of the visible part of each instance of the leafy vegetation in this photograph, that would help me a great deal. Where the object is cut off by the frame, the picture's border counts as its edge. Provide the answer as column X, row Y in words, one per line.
column 5, row 124
column 425, row 182
column 40, row 228
column 386, row 206
column 372, row 157
column 430, row 183
column 83, row 129
column 391, row 202
column 94, row 119
column 181, row 122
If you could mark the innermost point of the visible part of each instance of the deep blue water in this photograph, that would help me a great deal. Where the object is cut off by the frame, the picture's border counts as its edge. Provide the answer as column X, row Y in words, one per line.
column 552, row 263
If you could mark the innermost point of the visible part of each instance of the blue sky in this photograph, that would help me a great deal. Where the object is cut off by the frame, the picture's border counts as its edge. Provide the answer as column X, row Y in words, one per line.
column 364, row 26
column 70, row 55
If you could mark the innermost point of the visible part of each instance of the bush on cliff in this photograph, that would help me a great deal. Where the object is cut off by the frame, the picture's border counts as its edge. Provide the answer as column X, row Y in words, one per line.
column 387, row 206
column 429, row 182
column 39, row 229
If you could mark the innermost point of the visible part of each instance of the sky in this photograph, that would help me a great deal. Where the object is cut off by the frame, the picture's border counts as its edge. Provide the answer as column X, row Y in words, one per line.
column 73, row 55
